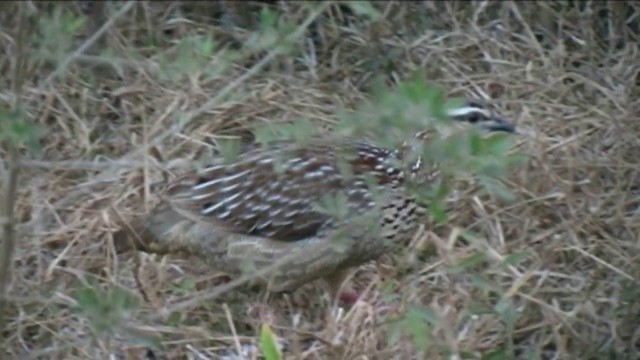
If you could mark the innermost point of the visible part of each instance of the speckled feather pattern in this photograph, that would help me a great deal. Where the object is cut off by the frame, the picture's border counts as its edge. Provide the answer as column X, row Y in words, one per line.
column 260, row 207
column 272, row 193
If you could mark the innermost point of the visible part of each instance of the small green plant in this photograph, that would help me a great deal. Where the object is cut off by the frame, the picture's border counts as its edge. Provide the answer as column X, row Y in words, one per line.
column 271, row 34
column 16, row 130
column 416, row 322
column 55, row 34
column 268, row 343
column 191, row 57
column 108, row 311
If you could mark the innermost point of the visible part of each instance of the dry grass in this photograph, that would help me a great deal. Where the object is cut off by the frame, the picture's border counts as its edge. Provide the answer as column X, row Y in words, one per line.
column 569, row 82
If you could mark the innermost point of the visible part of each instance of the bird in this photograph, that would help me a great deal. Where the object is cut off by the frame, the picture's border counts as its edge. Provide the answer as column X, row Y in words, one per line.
column 293, row 208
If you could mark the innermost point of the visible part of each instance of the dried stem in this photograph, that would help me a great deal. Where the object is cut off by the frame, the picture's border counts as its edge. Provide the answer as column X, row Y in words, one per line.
column 8, row 242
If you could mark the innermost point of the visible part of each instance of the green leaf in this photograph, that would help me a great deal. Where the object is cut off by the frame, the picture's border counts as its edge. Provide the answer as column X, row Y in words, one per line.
column 422, row 312
column 494, row 355
column 340, row 241
column 139, row 338
column 515, row 258
column 332, row 204
column 345, row 169
column 482, row 283
column 373, row 186
column 364, row 8
column 389, row 291
column 71, row 24
column 466, row 355
column 264, row 135
column 122, row 300
column 415, row 90
column 17, row 129
column 419, row 331
column 479, row 309
column 630, row 292
column 175, row 318
column 438, row 212
column 476, row 143
column 441, row 190
column 469, row 261
column 301, row 129
column 490, row 168
column 507, row 312
column 496, row 188
column 229, row 149
column 206, row 45
column 106, row 310
column 87, row 298
column 473, row 237
column 268, row 18
column 394, row 331
column 515, row 159
column 268, row 343
column 434, row 98
column 453, row 103
column 498, row 144
column 185, row 286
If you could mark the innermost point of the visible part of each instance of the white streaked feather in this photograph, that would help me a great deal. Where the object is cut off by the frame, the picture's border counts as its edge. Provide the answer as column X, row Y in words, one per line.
column 220, row 180
column 215, row 207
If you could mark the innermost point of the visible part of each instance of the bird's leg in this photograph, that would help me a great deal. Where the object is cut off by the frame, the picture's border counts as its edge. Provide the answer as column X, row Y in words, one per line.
column 349, row 296
column 346, row 295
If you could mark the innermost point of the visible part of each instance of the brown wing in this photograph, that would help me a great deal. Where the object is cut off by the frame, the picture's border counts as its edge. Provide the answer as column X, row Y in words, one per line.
column 271, row 193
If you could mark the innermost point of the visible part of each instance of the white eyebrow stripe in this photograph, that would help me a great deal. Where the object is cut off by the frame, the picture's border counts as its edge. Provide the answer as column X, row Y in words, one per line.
column 467, row 110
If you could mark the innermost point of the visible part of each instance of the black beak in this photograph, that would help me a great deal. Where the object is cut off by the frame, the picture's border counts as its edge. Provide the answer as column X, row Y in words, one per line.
column 499, row 124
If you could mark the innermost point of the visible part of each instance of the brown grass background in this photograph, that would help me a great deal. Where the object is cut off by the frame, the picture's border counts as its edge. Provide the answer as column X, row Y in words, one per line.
column 566, row 72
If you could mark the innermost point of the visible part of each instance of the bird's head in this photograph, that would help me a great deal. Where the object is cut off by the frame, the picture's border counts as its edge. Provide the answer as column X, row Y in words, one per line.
column 478, row 114
column 470, row 113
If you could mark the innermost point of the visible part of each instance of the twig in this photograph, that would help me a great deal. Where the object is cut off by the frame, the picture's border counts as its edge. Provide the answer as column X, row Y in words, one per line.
column 8, row 241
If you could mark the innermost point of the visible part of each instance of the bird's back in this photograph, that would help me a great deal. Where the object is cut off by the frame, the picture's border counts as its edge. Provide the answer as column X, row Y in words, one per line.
column 275, row 193
column 264, row 207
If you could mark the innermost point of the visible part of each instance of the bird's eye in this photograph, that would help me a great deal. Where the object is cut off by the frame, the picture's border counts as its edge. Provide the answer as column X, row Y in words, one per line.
column 474, row 117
